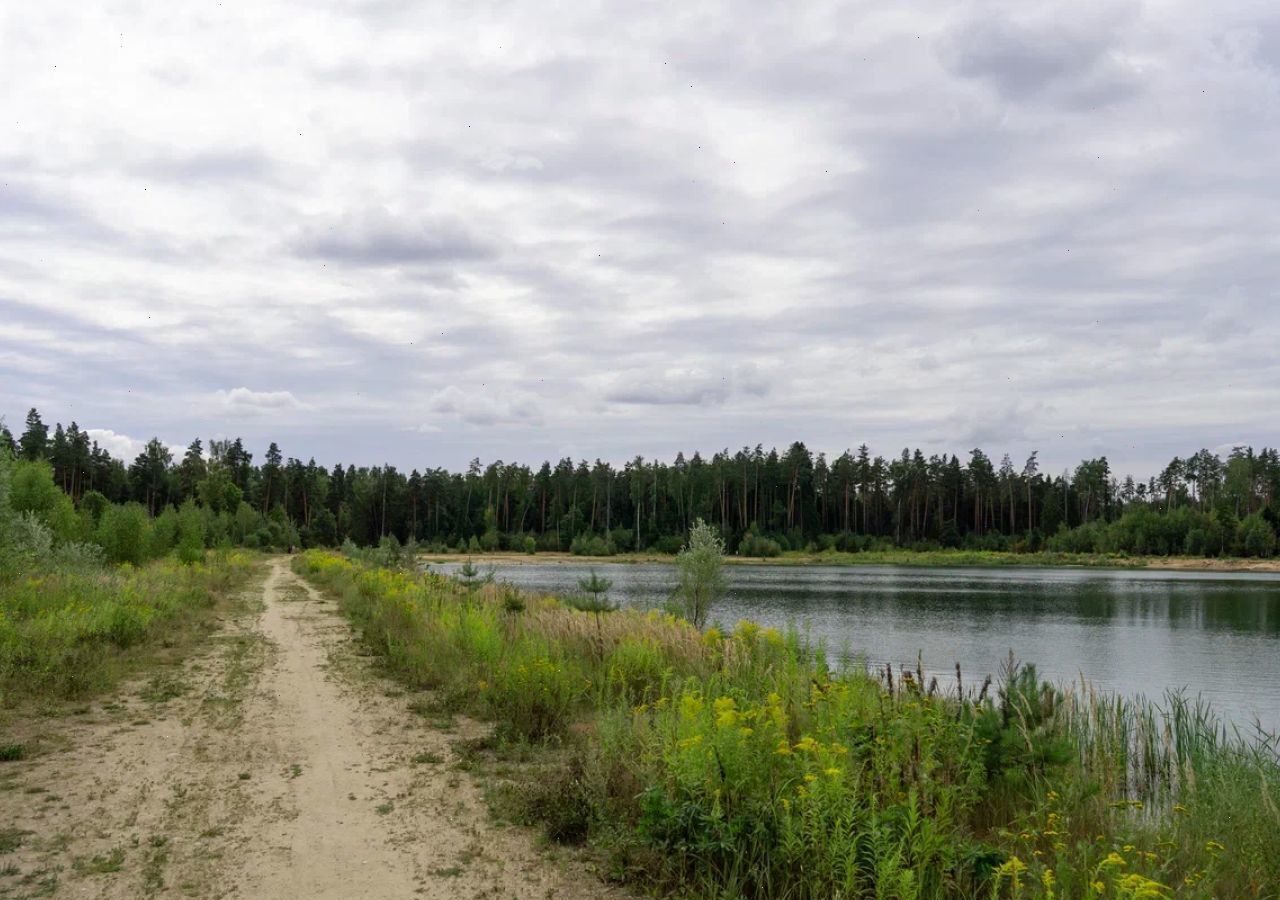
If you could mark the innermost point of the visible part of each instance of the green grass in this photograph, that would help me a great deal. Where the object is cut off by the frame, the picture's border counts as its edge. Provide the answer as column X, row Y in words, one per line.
column 102, row 864
column 745, row 766
column 11, row 839
column 67, row 635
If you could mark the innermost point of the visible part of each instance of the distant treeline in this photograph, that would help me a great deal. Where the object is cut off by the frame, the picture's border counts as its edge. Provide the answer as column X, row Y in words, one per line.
column 764, row 501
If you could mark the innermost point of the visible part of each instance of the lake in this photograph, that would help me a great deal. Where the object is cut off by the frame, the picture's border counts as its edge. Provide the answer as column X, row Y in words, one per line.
column 1213, row 634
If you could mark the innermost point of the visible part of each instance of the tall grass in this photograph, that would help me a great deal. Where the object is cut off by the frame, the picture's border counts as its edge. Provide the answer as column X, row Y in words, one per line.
column 61, row 632
column 744, row 765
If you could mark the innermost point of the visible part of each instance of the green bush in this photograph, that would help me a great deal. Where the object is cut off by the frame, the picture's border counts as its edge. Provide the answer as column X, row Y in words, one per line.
column 669, row 544
column 1256, row 537
column 590, row 545
column 123, row 533
column 753, row 544
column 32, row 489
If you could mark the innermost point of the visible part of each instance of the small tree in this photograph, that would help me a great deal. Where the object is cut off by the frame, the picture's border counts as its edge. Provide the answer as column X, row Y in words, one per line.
column 597, row 587
column 701, row 574
column 472, row 578
column 596, row 600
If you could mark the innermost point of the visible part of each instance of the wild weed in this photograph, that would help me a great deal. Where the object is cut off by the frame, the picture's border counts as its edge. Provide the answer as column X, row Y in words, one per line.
column 744, row 765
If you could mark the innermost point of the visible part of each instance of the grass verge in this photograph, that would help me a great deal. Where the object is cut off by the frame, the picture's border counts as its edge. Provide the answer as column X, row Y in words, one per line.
column 743, row 765
column 73, row 634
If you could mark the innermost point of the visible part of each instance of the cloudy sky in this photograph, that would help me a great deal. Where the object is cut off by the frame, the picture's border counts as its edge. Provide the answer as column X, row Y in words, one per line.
column 419, row 232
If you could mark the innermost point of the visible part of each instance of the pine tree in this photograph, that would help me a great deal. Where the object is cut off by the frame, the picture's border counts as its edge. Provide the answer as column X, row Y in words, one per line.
column 34, row 443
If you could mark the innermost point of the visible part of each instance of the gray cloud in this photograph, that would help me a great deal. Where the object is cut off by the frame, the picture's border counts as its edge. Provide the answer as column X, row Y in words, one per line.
column 375, row 237
column 686, row 388
column 211, row 166
column 1070, row 57
column 520, row 236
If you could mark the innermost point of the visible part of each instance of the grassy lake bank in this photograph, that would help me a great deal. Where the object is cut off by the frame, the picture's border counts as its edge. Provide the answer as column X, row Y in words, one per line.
column 743, row 764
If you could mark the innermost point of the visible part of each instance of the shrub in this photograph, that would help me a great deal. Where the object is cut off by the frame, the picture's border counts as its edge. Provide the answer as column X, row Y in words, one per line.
column 32, row 489
column 701, row 574
column 1256, row 537
column 669, row 544
column 753, row 544
column 95, row 504
column 532, row 696
column 122, row 533
column 590, row 545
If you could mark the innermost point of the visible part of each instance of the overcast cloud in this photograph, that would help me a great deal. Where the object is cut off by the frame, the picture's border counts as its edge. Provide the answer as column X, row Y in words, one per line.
column 423, row 232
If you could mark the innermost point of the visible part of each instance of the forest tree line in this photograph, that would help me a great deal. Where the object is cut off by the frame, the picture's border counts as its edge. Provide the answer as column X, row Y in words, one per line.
column 763, row 501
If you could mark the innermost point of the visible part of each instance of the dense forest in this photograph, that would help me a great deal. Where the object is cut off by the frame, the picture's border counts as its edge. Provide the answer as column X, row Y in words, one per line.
column 764, row 501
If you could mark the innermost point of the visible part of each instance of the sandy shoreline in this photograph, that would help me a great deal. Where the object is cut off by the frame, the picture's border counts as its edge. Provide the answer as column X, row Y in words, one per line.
column 905, row 559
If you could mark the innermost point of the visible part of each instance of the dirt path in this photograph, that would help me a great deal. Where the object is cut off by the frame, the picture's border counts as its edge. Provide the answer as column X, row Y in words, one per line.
column 274, row 765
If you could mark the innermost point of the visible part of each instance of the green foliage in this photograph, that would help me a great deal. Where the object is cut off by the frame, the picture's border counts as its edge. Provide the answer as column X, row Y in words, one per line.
column 591, row 545
column 753, row 544
column 218, row 491
column 95, row 504
column 597, row 587
column 471, row 577
column 123, row 533
column 741, row 765
column 31, row 488
column 1256, row 536
column 61, row 630
column 701, row 574
column 798, row 500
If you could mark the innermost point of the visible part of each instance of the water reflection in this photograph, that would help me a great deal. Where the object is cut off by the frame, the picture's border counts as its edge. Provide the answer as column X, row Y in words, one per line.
column 1215, row 634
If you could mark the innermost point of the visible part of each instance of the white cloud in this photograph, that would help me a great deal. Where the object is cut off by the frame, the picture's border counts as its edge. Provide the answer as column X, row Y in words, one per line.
column 123, row 447
column 480, row 407
column 242, row 401
column 120, row 446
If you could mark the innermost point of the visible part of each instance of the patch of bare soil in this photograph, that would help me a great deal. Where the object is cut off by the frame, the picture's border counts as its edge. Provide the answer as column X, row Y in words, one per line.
column 274, row 764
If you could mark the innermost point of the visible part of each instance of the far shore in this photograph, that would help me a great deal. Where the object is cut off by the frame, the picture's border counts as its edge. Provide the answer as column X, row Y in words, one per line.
column 906, row 558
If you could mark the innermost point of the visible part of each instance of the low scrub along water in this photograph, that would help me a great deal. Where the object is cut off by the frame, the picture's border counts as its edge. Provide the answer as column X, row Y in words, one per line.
column 1213, row 634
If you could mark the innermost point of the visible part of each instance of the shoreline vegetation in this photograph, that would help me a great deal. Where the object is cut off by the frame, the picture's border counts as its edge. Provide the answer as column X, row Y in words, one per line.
column 904, row 558
column 744, row 765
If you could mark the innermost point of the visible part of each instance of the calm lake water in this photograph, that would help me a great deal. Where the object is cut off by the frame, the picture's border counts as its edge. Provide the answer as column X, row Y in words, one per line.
column 1212, row 634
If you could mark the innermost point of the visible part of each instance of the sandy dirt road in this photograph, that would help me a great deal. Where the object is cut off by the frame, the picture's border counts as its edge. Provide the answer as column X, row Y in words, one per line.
column 274, row 764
